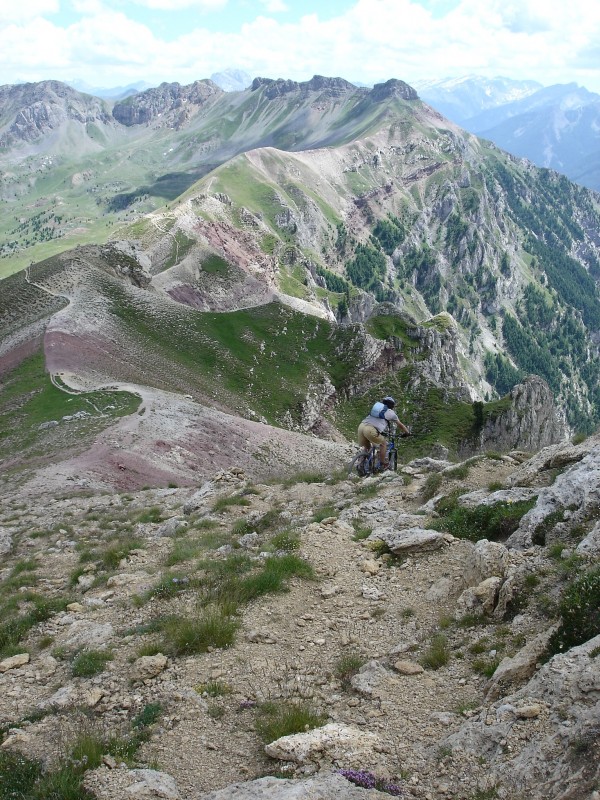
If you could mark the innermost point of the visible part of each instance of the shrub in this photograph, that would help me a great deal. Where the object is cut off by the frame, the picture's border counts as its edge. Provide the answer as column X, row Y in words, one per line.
column 484, row 666
column 221, row 503
column 18, row 775
column 431, row 486
column 361, row 532
column 482, row 522
column 284, row 718
column 580, row 613
column 90, row 662
column 215, row 711
column 114, row 554
column 147, row 716
column 322, row 513
column 347, row 666
column 153, row 515
column 285, row 540
column 437, row 654
column 187, row 635
column 214, row 688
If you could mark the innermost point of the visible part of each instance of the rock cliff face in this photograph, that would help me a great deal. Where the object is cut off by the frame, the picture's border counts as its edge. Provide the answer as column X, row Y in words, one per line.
column 393, row 88
column 439, row 363
column 171, row 99
column 335, row 87
column 529, row 420
column 35, row 109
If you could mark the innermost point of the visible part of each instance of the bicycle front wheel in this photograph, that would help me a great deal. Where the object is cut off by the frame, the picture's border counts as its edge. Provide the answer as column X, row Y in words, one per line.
column 394, row 460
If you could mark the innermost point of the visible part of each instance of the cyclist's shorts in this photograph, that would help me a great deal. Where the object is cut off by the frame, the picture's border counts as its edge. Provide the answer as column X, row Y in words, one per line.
column 368, row 434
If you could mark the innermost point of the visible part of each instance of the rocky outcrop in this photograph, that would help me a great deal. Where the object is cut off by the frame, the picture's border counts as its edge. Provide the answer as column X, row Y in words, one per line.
column 170, row 99
column 333, row 743
column 327, row 787
column 332, row 87
column 554, row 720
column 392, row 89
column 132, row 784
column 36, row 109
column 572, row 499
column 527, row 419
column 438, row 363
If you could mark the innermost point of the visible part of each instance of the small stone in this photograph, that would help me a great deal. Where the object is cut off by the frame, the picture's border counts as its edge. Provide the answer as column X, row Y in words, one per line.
column 370, row 566
column 408, row 668
column 148, row 667
column 372, row 593
column 75, row 608
column 529, row 712
column 16, row 738
column 329, row 591
column 93, row 697
column 14, row 662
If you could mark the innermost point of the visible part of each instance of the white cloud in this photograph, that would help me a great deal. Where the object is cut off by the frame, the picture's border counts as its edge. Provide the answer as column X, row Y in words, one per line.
column 274, row 6
column 176, row 5
column 13, row 11
column 373, row 40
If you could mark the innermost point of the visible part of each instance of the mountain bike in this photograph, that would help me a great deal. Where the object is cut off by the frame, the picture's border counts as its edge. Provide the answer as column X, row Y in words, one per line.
column 366, row 462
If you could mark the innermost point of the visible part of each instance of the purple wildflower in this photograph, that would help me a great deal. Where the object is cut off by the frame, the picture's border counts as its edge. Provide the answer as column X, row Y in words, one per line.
column 367, row 780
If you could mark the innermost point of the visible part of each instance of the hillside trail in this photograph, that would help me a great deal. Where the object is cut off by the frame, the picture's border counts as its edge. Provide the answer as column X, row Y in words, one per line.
column 361, row 605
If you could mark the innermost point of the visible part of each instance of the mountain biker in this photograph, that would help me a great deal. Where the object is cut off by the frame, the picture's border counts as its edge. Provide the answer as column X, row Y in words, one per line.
column 372, row 429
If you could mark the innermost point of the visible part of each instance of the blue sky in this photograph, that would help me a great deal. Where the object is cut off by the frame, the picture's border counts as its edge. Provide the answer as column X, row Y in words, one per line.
column 109, row 43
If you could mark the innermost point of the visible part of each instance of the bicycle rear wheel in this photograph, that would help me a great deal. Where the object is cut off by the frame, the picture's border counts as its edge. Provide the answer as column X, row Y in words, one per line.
column 394, row 460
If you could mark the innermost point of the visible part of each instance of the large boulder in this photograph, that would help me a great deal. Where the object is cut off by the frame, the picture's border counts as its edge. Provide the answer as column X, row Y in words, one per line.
column 321, row 787
column 521, row 666
column 590, row 545
column 483, row 560
column 572, row 498
column 332, row 744
column 131, row 784
column 557, row 456
column 410, row 540
column 482, row 497
column 542, row 739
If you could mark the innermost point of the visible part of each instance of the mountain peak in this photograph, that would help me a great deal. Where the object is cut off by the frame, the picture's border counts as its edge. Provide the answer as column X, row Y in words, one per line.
column 393, row 88
column 168, row 97
column 279, row 86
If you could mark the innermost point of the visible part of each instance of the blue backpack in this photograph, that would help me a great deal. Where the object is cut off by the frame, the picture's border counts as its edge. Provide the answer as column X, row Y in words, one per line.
column 379, row 410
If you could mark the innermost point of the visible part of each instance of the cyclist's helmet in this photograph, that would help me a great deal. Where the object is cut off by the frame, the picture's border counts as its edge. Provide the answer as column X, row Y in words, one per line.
column 389, row 402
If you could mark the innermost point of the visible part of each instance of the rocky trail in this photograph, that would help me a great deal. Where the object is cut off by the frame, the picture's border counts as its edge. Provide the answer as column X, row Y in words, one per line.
column 406, row 652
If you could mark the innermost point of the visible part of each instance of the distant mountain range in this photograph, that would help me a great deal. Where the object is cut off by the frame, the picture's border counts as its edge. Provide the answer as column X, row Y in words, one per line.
column 461, row 99
column 556, row 127
column 230, row 80
column 334, row 199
